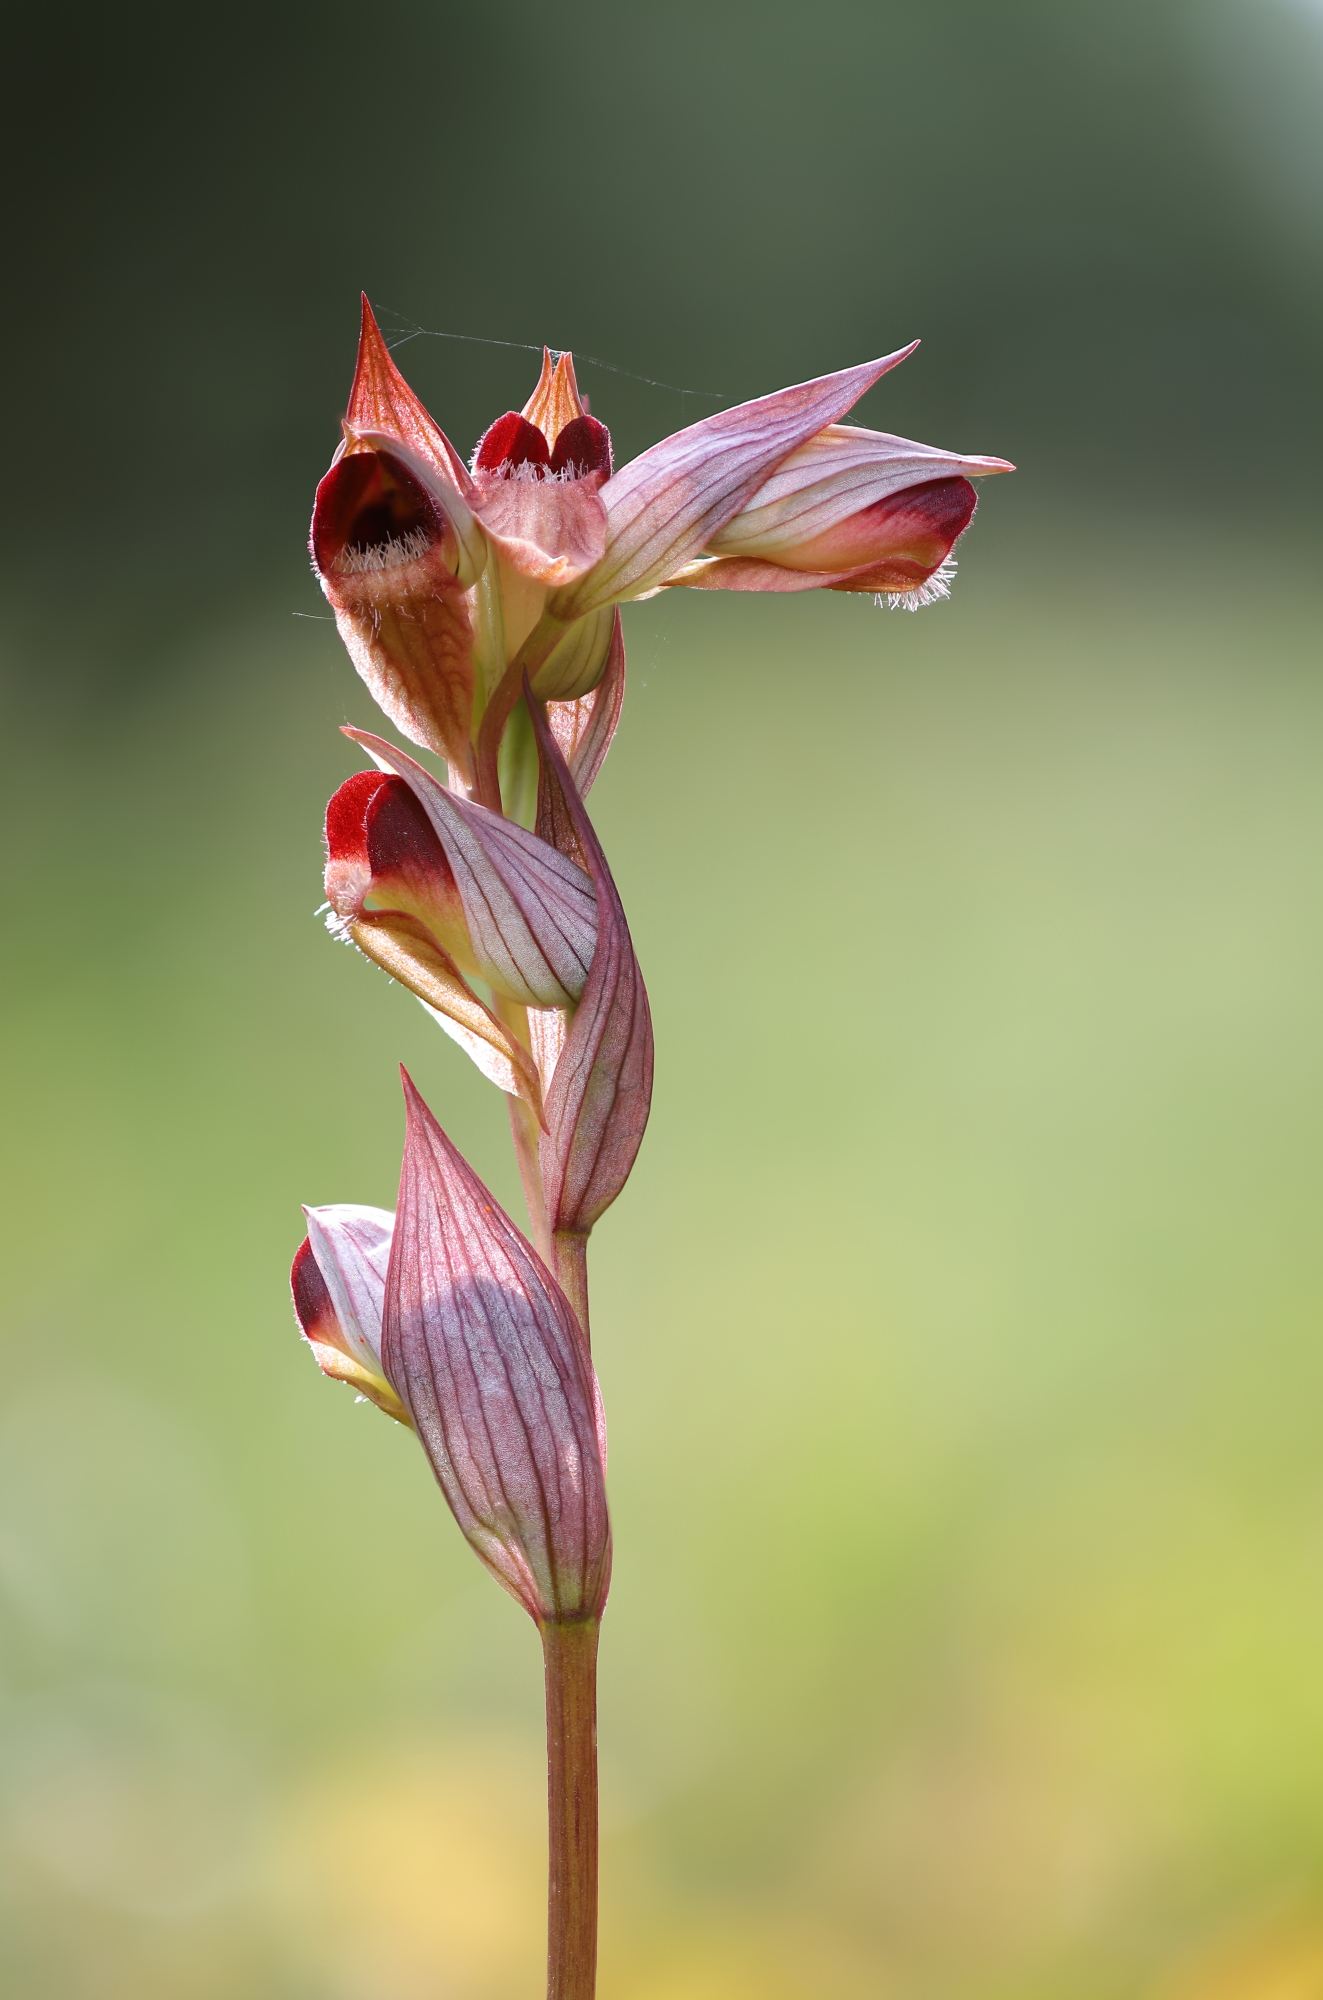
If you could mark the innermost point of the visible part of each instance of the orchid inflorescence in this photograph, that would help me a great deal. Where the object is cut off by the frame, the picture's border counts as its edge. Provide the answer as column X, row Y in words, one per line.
column 481, row 606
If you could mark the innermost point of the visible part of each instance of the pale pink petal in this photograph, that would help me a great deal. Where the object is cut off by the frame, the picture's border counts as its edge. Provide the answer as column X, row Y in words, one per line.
column 408, row 631
column 352, row 1246
column 404, row 947
column 338, row 1281
column 667, row 504
column 748, row 573
column 549, row 528
column 836, row 474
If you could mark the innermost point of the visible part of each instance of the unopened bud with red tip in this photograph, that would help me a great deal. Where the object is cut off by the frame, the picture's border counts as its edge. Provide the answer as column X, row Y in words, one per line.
column 339, row 1285
column 392, row 893
column 486, row 1355
column 439, row 891
column 508, row 906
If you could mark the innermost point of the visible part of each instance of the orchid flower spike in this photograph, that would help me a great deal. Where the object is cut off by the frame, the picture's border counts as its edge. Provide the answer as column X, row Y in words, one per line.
column 452, row 583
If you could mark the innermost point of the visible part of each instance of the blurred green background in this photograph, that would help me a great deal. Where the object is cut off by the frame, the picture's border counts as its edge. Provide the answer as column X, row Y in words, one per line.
column 960, row 1327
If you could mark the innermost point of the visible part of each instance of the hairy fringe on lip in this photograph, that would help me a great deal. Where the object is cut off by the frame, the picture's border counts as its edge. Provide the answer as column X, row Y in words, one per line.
column 355, row 560
column 937, row 587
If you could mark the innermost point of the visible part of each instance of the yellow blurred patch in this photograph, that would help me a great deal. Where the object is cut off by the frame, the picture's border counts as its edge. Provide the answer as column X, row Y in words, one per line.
column 753, row 1955
column 403, row 1876
column 1284, row 1964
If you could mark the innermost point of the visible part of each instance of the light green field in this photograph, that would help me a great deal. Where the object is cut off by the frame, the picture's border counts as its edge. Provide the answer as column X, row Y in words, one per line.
column 959, row 1331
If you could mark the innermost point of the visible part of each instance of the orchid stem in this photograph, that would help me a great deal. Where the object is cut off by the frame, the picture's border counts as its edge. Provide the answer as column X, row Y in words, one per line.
column 570, row 1653
column 571, row 1271
column 524, row 1130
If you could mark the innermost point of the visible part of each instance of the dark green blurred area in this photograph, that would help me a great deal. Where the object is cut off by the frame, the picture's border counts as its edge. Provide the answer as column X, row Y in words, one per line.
column 1105, row 223
column 959, row 1329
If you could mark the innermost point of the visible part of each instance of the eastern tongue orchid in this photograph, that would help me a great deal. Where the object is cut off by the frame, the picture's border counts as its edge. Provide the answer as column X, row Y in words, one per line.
column 481, row 605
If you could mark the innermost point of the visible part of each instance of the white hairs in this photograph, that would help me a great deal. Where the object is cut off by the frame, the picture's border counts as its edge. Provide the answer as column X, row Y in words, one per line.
column 355, row 560
column 933, row 591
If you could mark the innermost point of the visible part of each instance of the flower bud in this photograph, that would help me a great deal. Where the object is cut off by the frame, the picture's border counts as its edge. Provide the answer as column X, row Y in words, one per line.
column 381, row 845
column 577, row 663
column 339, row 1285
column 487, row 1358
column 513, row 911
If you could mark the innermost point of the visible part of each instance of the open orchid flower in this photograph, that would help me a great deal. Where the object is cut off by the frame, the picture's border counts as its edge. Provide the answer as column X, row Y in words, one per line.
column 850, row 510
column 487, row 1357
column 339, row 1286
column 450, row 584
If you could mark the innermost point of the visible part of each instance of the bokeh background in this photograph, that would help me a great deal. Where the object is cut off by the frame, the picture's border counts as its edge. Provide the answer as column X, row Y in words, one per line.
column 960, row 1327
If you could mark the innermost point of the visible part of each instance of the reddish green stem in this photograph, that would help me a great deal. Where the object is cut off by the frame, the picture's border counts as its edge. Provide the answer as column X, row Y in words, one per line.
column 571, row 1269
column 524, row 1129
column 570, row 1654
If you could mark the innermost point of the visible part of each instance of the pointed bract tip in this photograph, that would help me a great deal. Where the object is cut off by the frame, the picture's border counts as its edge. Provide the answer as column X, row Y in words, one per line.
column 541, row 387
column 377, row 381
column 419, row 1118
column 556, row 401
column 886, row 362
column 569, row 380
column 382, row 407
column 415, row 1105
